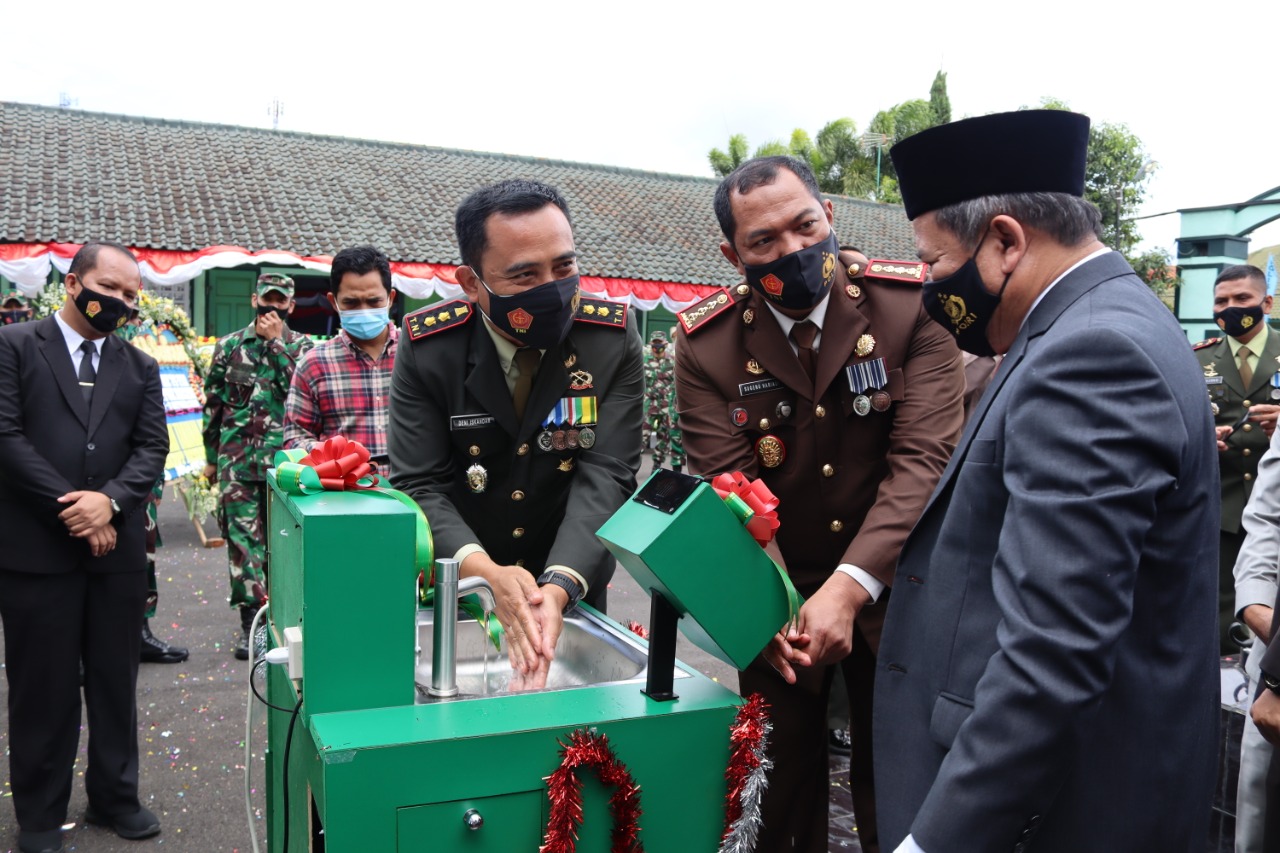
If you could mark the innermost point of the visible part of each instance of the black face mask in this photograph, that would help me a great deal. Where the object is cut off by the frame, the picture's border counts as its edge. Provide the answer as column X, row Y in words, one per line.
column 799, row 280
column 539, row 317
column 104, row 312
column 962, row 305
column 1237, row 321
column 7, row 317
column 282, row 313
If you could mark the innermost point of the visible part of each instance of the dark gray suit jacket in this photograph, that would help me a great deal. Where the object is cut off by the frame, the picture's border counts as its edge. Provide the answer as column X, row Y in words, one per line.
column 52, row 443
column 1048, row 675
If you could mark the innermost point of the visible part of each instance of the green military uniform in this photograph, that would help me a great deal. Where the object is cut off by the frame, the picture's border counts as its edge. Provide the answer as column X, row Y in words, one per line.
column 530, row 491
column 245, row 393
column 1238, row 464
column 661, row 418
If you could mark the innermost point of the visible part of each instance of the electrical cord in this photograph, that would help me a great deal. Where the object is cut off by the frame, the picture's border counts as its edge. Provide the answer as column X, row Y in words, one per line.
column 248, row 728
column 284, row 779
column 254, row 687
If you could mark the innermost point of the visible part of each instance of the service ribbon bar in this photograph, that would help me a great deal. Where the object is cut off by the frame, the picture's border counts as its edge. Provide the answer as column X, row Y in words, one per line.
column 583, row 410
column 867, row 374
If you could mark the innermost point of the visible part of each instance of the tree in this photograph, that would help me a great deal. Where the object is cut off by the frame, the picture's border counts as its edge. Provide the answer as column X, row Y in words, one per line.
column 723, row 163
column 939, row 102
column 1116, row 172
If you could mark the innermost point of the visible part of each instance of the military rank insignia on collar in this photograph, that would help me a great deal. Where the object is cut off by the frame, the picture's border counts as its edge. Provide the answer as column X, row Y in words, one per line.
column 696, row 316
column 601, row 312
column 1210, row 342
column 437, row 318
column 913, row 272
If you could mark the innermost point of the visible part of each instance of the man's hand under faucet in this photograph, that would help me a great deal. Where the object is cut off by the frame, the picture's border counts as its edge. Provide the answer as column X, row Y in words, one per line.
column 531, row 617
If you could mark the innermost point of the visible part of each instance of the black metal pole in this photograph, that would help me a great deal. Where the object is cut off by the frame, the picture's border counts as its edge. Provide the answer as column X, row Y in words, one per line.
column 660, row 683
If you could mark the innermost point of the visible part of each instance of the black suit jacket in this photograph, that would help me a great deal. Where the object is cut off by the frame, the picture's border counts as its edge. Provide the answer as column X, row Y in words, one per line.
column 52, row 443
column 1048, row 675
column 451, row 410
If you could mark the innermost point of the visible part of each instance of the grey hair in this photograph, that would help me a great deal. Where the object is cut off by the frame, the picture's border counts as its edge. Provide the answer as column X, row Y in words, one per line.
column 1068, row 219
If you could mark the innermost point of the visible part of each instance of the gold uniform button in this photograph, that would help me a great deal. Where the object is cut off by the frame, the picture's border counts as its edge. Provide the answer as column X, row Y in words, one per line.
column 837, row 526
column 764, row 423
column 517, row 495
column 828, row 471
column 1248, row 427
column 1248, row 452
column 820, row 411
column 474, row 451
column 522, row 450
column 518, row 532
column 743, row 290
column 1247, row 403
column 1248, row 477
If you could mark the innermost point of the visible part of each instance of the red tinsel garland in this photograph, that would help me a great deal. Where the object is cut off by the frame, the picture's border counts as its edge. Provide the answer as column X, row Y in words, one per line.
column 745, row 775
column 638, row 629
column 590, row 750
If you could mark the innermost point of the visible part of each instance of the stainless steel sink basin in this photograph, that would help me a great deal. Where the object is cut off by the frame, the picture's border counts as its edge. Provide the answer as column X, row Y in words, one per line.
column 590, row 651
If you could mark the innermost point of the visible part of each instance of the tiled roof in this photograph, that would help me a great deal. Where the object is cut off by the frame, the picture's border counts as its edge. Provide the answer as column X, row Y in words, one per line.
column 69, row 176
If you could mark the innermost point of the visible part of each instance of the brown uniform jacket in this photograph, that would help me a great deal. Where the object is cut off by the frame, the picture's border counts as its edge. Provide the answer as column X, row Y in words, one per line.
column 851, row 486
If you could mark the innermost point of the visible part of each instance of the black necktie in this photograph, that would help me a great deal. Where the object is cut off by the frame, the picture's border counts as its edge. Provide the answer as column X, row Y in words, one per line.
column 804, row 333
column 87, row 373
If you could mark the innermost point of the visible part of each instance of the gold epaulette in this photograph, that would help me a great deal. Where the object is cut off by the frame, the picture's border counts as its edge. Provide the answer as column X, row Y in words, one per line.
column 1211, row 342
column 912, row 272
column 697, row 315
column 602, row 312
column 437, row 318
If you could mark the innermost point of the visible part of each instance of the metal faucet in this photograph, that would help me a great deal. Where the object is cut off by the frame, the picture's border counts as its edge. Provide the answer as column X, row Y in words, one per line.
column 444, row 626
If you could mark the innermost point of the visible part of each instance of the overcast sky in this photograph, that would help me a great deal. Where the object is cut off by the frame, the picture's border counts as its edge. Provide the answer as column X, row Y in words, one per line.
column 655, row 85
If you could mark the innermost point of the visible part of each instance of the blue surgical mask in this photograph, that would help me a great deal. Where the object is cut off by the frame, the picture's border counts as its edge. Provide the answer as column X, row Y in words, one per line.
column 364, row 324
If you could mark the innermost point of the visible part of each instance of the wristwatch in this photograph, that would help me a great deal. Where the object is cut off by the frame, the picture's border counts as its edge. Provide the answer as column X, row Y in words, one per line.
column 115, row 507
column 568, row 584
column 1272, row 684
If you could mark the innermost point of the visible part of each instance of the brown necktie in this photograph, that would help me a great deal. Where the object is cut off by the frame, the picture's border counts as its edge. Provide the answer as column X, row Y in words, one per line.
column 1246, row 372
column 804, row 333
column 527, row 360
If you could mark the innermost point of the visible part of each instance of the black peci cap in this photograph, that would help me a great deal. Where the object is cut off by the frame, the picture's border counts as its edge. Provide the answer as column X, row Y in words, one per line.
column 1020, row 152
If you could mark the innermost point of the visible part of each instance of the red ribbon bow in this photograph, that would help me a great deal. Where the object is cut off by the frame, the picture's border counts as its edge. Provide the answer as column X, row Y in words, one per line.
column 341, row 464
column 756, row 495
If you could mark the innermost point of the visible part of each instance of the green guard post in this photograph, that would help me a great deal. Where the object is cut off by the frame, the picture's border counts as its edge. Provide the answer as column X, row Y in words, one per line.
column 678, row 538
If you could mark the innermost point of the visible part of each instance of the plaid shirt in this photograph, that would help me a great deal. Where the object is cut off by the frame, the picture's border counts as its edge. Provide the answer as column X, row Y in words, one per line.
column 339, row 390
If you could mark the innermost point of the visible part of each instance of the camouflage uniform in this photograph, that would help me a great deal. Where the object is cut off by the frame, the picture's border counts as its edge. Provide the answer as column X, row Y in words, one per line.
column 245, row 394
column 661, row 418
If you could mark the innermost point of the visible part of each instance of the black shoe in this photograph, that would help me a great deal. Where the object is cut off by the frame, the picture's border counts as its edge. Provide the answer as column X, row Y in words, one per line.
column 242, row 642
column 140, row 824
column 156, row 650
column 40, row 842
column 839, row 742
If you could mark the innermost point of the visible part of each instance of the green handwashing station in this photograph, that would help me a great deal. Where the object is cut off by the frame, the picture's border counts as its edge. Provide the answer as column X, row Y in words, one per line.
column 372, row 758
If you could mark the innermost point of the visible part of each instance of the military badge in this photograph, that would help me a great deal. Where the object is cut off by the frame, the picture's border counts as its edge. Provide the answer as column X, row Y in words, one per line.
column 437, row 318
column 783, row 410
column 559, row 440
column 738, row 417
column 520, row 319
column 477, row 479
column 544, row 440
column 853, row 290
column 899, row 271
column 566, row 465
column 864, row 346
column 828, row 267
column 587, row 438
column 601, row 312
column 880, row 401
column 753, row 367
column 571, row 360
column 770, row 451
column 748, row 316
column 695, row 317
column 580, row 380
column 862, row 405
column 92, row 309
column 772, row 285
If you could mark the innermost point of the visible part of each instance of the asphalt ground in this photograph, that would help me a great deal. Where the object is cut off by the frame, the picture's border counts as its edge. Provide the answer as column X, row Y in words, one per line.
column 191, row 715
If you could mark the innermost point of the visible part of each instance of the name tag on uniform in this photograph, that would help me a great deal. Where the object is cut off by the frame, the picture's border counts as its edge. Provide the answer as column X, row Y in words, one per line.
column 458, row 422
column 758, row 386
column 1213, row 380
